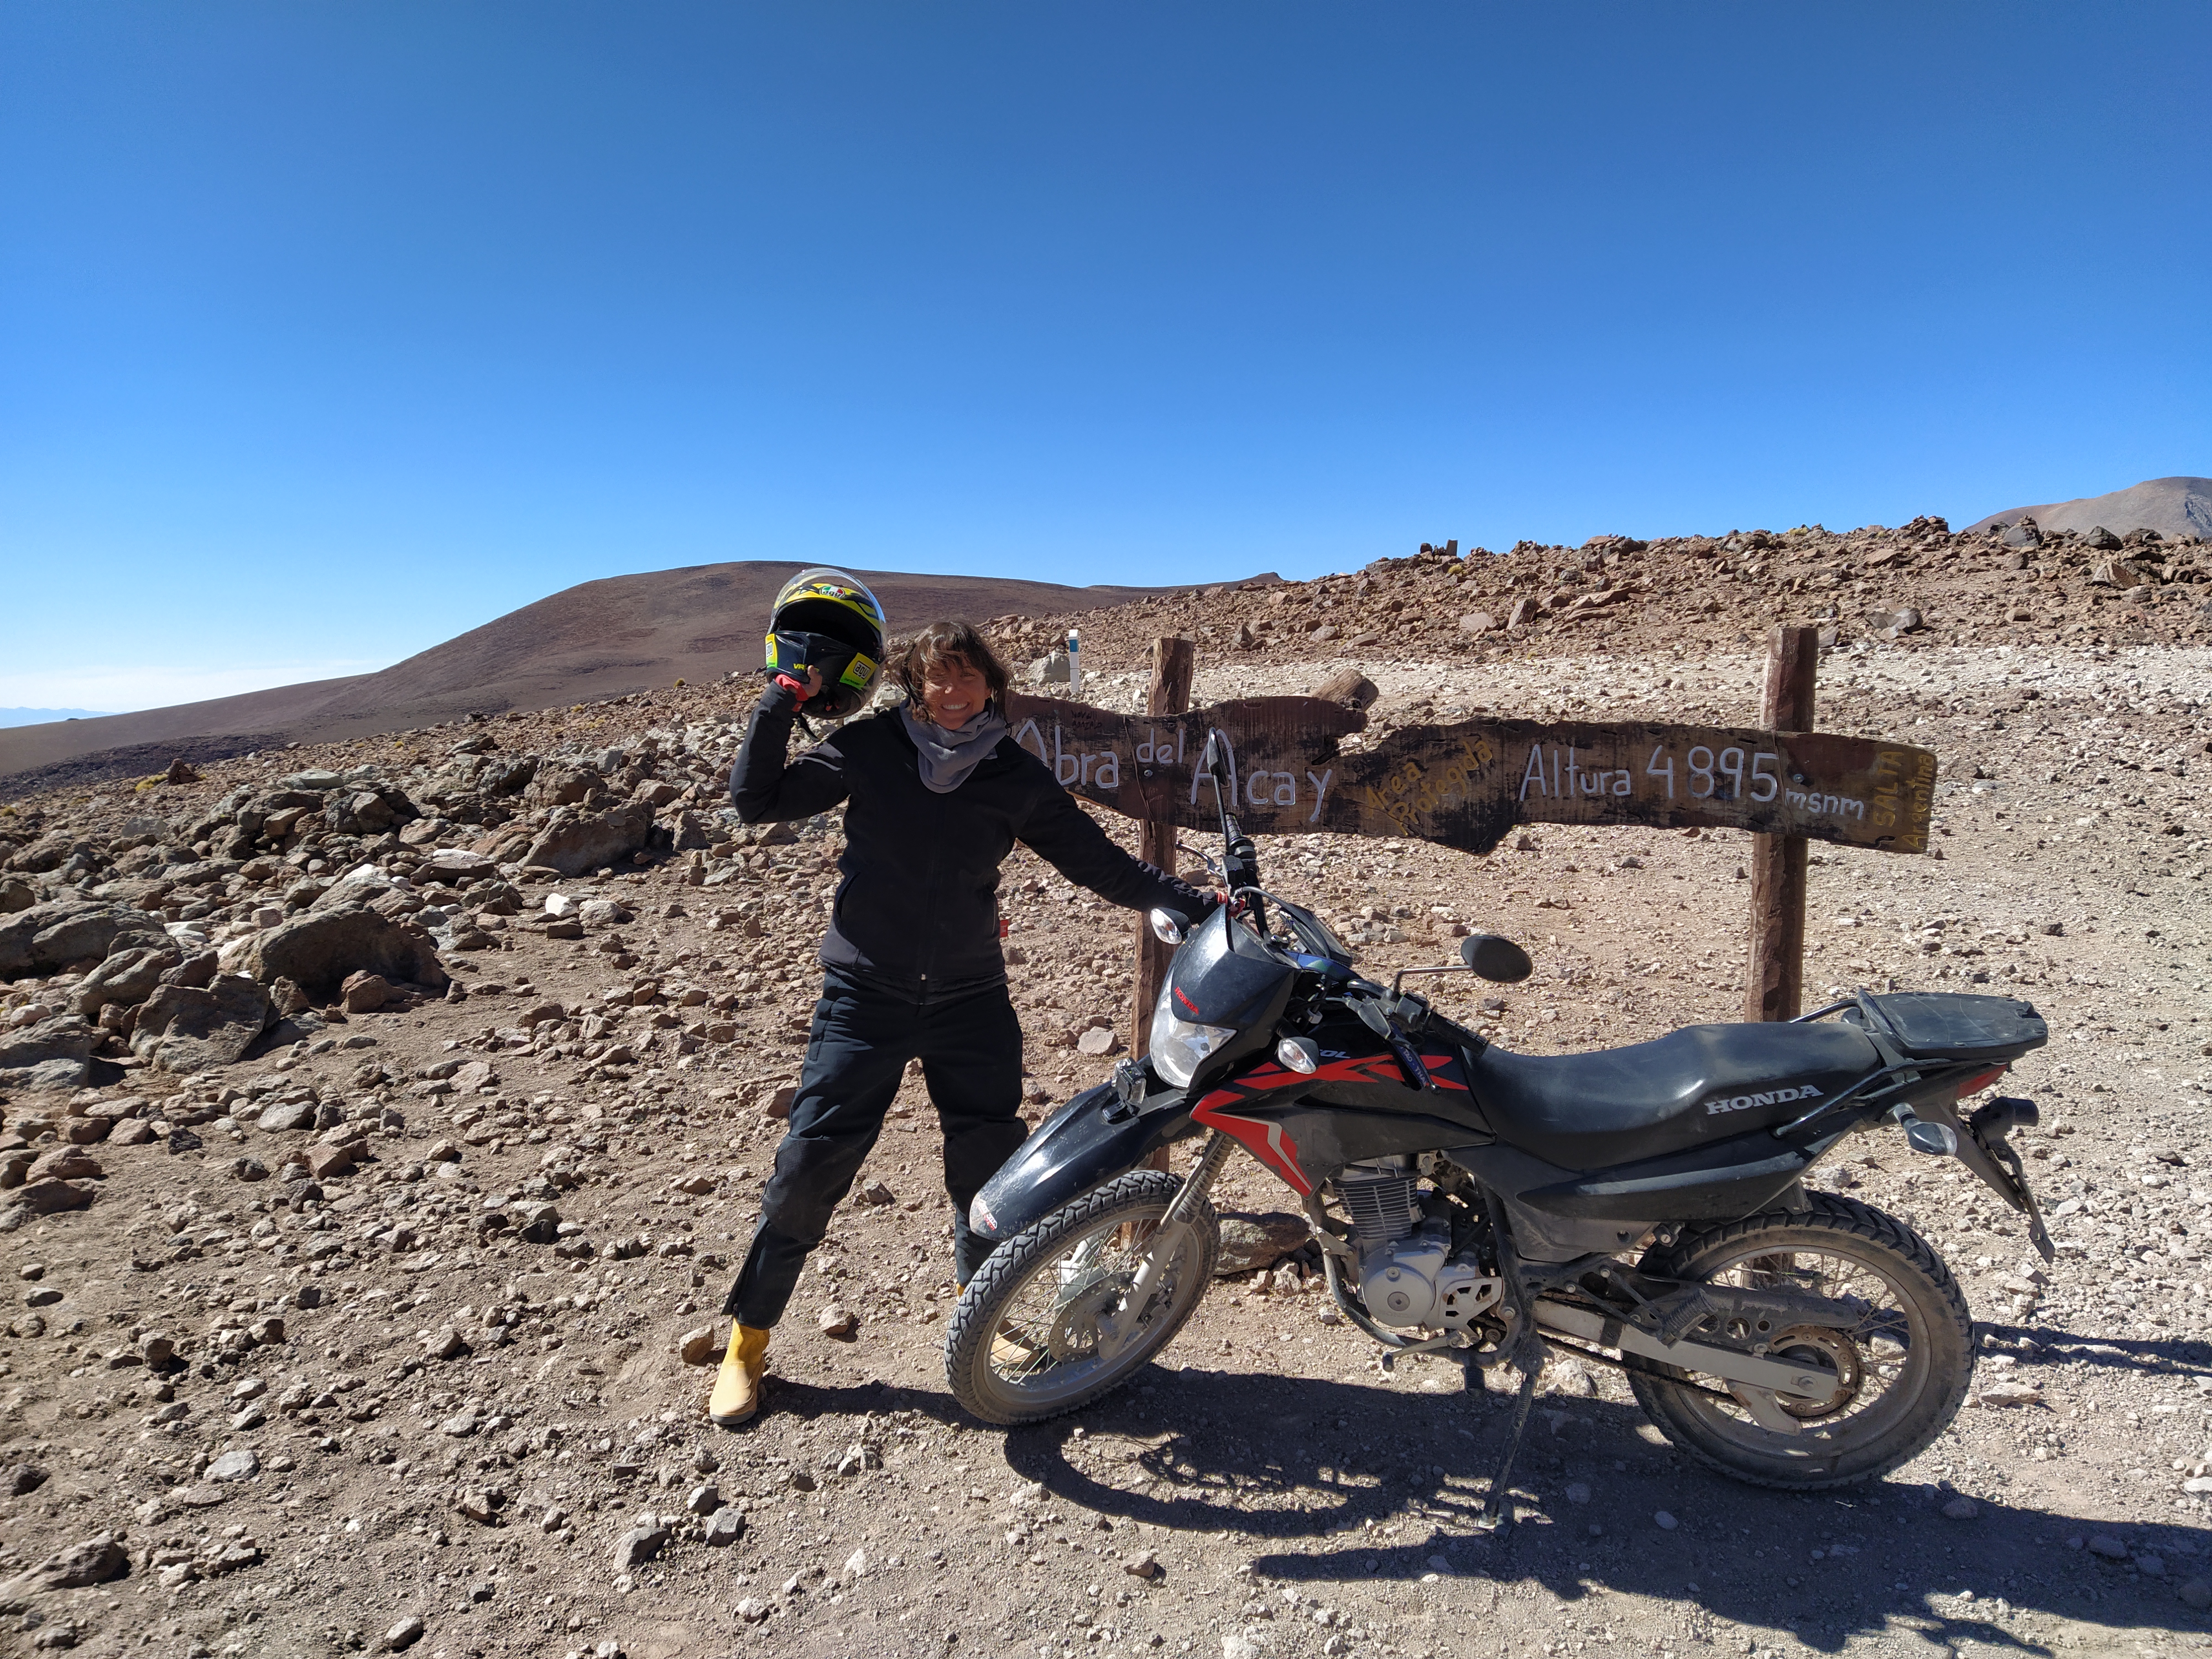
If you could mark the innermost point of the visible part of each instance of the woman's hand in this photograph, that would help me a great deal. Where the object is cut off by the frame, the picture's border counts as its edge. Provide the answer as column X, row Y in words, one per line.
column 813, row 684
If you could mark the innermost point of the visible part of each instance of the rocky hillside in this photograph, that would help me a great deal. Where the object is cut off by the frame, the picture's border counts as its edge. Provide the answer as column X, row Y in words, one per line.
column 1919, row 582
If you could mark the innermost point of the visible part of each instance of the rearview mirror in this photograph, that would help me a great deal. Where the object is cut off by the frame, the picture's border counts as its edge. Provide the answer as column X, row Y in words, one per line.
column 1498, row 960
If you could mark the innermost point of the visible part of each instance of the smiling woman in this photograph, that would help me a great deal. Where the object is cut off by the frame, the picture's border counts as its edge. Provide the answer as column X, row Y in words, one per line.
column 936, row 794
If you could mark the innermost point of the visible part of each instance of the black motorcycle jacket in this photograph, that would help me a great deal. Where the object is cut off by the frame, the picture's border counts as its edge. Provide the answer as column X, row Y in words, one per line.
column 918, row 908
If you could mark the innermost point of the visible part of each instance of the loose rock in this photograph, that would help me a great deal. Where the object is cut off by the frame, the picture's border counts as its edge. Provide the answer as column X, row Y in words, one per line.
column 640, row 1545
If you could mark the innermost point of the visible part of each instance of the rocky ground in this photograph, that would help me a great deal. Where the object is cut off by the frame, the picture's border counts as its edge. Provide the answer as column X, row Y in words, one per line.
column 361, row 1220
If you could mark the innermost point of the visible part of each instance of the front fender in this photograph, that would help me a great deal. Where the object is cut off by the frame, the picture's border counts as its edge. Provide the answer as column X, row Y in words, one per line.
column 1079, row 1147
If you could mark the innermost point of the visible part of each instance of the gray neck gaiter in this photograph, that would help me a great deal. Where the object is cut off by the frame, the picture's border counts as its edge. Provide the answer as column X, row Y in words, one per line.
column 947, row 757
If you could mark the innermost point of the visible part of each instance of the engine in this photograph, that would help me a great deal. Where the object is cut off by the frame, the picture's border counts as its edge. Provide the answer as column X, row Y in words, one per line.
column 1407, row 1273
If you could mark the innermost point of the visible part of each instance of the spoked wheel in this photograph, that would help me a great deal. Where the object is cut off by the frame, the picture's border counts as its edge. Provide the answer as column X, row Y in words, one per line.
column 1055, row 1318
column 1899, row 1374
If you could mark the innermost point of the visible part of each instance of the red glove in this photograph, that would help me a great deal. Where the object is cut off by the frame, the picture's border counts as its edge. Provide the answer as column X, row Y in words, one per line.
column 798, row 688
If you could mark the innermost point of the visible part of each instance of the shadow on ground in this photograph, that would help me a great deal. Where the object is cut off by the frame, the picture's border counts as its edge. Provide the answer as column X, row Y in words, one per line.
column 1351, row 1482
column 1345, row 1481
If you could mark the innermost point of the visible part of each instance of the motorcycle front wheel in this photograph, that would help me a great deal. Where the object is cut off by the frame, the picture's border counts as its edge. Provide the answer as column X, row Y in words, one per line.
column 1901, row 1372
column 1052, row 1320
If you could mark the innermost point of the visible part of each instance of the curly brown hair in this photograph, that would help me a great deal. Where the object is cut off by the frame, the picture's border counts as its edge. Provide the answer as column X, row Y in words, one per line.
column 912, row 658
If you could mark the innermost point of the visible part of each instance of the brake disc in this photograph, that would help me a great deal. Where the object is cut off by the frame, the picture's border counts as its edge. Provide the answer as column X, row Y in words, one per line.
column 1842, row 1355
column 1083, row 1308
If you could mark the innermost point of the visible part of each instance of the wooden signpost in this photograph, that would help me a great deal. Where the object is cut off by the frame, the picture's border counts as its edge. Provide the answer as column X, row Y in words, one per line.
column 1174, row 662
column 1468, row 784
column 1776, row 989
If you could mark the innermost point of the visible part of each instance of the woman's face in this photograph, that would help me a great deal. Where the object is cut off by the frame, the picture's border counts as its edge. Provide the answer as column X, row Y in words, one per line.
column 953, row 693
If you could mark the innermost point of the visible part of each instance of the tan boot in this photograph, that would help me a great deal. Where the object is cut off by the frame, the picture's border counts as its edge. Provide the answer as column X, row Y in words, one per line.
column 737, row 1386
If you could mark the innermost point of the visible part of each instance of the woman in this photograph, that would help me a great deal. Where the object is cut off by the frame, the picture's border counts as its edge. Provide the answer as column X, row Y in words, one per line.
column 936, row 794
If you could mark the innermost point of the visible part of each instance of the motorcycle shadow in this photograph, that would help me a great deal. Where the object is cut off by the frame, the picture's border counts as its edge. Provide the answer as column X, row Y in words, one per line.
column 1371, row 1482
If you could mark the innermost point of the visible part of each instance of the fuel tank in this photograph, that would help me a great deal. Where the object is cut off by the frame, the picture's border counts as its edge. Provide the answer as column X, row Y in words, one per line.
column 1359, row 1104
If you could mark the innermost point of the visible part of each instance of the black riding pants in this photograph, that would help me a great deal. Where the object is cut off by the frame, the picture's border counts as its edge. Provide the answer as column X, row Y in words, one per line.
column 970, row 1044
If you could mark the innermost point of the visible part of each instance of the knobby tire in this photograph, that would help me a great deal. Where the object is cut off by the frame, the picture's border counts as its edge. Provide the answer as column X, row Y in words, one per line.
column 1934, row 1376
column 1138, row 1196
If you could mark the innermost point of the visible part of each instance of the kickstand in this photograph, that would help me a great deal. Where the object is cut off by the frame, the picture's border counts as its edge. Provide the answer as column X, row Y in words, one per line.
column 1491, row 1515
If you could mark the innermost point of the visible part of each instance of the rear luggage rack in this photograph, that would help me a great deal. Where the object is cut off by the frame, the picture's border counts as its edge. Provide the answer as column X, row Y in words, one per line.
column 1938, row 1025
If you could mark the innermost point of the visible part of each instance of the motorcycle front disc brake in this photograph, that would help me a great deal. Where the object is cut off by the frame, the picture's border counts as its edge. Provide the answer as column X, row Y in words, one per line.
column 1074, row 1332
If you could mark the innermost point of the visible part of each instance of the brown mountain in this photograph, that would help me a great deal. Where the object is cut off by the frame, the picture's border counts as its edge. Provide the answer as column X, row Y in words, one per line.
column 598, row 638
column 2172, row 507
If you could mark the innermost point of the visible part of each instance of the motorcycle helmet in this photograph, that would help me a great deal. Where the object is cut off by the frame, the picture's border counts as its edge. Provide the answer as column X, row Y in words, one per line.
column 827, row 621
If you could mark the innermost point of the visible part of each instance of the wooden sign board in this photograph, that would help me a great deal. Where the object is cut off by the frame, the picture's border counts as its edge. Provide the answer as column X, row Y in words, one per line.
column 1467, row 785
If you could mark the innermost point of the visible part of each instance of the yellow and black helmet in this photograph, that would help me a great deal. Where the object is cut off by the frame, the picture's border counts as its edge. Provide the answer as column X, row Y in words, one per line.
column 827, row 621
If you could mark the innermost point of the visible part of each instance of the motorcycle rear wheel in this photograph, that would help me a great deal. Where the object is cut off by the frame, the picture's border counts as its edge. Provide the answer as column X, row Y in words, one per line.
column 1903, row 1370
column 1041, row 1330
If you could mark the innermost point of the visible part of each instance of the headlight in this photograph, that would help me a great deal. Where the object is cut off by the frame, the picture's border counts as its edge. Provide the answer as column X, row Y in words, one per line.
column 1178, row 1045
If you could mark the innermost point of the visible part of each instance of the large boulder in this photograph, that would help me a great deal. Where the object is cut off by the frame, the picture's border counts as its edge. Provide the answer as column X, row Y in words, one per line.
column 52, row 1053
column 576, row 846
column 1349, row 687
column 317, row 951
column 94, row 1561
column 48, row 937
column 1250, row 1241
column 128, row 977
column 48, row 1074
column 49, row 1197
column 363, row 885
column 563, row 785
column 455, row 866
column 63, row 1036
column 183, row 1030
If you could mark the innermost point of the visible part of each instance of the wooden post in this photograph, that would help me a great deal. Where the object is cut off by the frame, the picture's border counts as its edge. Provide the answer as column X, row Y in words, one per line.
column 1776, row 990
column 1174, row 662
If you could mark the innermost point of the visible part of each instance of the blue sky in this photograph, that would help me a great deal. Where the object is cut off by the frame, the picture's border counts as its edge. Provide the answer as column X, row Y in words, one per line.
column 329, row 331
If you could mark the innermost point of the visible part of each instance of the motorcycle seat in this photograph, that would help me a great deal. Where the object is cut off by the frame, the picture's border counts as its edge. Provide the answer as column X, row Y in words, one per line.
column 1703, row 1083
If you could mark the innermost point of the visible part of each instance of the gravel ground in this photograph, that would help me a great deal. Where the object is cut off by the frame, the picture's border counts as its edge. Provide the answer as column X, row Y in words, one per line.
column 491, row 1434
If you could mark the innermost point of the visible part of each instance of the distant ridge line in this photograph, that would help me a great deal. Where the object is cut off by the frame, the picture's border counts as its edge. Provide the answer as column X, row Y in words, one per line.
column 609, row 637
column 2179, row 506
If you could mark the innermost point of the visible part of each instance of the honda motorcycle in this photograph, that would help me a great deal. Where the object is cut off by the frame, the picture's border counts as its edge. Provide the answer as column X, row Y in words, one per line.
column 1641, row 1207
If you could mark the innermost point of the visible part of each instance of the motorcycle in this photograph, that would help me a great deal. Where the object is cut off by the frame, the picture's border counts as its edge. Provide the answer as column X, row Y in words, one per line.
column 1641, row 1207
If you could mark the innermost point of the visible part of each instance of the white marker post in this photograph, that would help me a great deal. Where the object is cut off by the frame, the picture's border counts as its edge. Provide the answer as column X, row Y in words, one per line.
column 1075, row 662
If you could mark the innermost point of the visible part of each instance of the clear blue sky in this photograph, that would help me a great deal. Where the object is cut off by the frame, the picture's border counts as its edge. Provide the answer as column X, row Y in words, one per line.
column 327, row 331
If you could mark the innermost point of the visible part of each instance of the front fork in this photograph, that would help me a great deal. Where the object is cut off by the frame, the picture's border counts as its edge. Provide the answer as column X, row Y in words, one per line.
column 1175, row 1226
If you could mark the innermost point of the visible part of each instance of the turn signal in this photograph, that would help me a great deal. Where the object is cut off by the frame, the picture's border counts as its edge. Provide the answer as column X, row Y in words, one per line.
column 1298, row 1053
